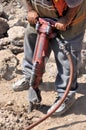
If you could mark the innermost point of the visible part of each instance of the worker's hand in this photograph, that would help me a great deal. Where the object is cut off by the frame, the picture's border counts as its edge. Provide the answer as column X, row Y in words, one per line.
column 61, row 24
column 32, row 17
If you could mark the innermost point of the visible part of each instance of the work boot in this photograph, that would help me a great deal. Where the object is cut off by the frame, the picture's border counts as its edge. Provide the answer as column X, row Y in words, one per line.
column 64, row 106
column 20, row 85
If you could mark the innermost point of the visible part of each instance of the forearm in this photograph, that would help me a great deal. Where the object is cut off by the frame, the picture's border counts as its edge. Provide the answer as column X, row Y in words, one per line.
column 71, row 13
column 66, row 20
column 27, row 5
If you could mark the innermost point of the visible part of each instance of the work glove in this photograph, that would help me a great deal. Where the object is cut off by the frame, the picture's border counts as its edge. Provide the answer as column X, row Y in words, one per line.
column 32, row 17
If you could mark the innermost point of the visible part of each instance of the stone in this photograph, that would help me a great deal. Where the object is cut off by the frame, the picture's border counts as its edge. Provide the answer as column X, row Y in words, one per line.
column 8, row 63
column 16, row 33
column 3, row 26
column 1, row 9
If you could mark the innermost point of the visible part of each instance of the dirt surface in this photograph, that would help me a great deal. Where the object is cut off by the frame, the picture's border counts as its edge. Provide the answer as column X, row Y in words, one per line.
column 14, row 106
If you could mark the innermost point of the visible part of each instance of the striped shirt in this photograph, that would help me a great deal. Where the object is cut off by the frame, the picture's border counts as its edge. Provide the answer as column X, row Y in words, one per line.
column 45, row 8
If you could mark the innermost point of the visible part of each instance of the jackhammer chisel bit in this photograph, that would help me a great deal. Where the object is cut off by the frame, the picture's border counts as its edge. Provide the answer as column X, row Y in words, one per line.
column 34, row 98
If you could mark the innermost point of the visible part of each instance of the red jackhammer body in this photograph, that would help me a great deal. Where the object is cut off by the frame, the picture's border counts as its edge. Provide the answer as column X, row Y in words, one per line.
column 44, row 33
column 46, row 30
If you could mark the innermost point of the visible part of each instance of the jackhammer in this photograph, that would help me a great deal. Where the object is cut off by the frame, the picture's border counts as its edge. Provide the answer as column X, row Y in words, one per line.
column 45, row 31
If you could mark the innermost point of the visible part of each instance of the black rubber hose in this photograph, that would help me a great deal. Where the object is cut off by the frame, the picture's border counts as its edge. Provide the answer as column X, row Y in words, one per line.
column 62, row 99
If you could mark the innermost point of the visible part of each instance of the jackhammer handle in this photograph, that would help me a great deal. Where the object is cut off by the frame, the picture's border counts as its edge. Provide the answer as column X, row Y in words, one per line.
column 48, row 20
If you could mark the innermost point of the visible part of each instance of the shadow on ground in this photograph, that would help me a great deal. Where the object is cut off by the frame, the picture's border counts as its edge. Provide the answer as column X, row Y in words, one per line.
column 80, row 104
column 67, row 125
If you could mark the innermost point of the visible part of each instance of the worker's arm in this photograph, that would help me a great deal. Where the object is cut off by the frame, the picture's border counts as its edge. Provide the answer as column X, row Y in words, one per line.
column 32, row 14
column 27, row 5
column 66, row 20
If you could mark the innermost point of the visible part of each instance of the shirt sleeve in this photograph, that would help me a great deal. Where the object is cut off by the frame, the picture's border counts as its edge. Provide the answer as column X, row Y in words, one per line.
column 73, row 3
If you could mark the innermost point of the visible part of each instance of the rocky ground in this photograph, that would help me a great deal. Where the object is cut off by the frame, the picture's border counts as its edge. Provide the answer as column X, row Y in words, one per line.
column 14, row 105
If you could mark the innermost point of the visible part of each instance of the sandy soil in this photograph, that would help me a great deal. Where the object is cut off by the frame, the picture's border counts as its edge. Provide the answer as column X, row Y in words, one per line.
column 14, row 108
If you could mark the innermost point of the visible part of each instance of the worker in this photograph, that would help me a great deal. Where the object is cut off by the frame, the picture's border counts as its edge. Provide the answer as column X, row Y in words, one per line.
column 71, row 22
